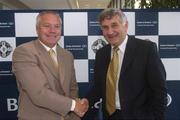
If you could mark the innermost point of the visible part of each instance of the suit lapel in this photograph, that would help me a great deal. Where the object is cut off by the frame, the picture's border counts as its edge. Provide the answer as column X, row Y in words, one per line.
column 129, row 54
column 107, row 57
column 61, row 62
column 46, row 59
column 106, row 60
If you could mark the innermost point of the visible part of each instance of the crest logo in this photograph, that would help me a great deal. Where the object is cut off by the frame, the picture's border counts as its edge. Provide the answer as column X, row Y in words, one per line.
column 99, row 43
column 5, row 49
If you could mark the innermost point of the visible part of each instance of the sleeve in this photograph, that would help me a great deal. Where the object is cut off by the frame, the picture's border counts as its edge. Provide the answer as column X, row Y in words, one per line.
column 156, row 75
column 74, row 86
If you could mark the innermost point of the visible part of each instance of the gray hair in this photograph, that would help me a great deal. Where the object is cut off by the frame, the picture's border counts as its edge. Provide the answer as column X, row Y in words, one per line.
column 38, row 18
column 111, row 12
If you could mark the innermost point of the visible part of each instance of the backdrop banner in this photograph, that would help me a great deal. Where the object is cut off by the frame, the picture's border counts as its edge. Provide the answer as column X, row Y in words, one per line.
column 82, row 36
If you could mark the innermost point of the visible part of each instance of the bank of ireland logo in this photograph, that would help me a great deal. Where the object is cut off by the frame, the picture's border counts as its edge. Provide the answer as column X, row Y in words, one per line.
column 99, row 43
column 5, row 49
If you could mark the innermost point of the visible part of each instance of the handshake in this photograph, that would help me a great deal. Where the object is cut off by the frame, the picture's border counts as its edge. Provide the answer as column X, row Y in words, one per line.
column 81, row 107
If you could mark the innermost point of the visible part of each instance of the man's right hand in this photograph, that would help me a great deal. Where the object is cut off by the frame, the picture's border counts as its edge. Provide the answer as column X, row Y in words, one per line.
column 81, row 107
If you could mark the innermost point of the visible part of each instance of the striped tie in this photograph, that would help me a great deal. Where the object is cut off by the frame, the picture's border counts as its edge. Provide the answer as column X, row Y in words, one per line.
column 53, row 57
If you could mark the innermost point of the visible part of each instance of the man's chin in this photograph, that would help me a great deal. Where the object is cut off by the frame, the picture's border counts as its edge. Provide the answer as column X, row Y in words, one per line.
column 113, row 42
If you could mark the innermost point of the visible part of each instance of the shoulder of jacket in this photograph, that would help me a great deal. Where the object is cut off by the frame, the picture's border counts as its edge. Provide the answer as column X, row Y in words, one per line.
column 27, row 45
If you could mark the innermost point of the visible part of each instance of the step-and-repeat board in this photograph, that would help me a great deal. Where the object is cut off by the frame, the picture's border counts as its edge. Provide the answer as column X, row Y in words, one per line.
column 82, row 36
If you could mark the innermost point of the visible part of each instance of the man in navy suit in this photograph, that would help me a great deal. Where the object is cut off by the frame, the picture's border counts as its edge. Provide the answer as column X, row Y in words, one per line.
column 140, row 90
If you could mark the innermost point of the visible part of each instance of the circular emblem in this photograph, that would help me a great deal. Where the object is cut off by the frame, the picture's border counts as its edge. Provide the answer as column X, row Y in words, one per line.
column 5, row 49
column 169, row 99
column 99, row 43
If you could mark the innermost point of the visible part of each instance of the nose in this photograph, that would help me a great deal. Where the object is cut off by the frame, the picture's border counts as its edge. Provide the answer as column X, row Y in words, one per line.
column 52, row 29
column 110, row 31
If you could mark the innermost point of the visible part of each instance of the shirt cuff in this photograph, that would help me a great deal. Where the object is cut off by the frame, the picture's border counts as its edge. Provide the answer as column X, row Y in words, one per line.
column 73, row 105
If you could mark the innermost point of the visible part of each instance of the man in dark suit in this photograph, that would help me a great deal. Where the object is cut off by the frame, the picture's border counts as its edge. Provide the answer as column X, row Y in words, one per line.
column 45, row 75
column 139, row 92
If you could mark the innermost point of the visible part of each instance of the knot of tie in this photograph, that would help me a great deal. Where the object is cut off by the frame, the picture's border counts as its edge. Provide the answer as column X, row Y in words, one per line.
column 51, row 52
column 115, row 49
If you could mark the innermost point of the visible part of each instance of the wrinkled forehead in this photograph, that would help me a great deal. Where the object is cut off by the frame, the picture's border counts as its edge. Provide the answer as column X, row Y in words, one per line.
column 114, row 18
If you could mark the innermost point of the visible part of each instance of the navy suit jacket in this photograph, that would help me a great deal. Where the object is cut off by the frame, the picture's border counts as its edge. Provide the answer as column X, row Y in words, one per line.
column 142, row 89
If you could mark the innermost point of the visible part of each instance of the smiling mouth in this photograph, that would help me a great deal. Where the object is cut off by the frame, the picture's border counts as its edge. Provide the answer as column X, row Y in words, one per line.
column 50, row 36
column 113, row 35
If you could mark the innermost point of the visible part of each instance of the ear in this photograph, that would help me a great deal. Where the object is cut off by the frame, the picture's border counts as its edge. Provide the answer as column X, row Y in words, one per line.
column 126, row 25
column 37, row 30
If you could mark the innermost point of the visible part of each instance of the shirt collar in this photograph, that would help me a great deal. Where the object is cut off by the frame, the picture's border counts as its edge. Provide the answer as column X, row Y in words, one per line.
column 48, row 48
column 122, row 46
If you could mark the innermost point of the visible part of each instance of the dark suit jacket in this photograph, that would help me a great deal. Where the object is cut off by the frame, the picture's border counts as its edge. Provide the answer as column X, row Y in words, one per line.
column 142, row 88
column 44, row 92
